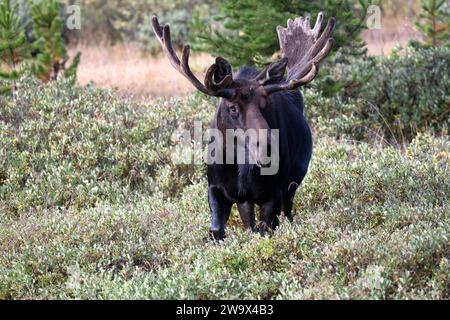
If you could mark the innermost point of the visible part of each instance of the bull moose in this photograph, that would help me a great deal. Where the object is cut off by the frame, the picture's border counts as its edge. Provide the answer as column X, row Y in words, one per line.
column 260, row 100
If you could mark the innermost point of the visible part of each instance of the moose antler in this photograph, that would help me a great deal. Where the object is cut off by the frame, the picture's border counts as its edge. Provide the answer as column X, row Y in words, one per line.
column 218, row 77
column 303, row 48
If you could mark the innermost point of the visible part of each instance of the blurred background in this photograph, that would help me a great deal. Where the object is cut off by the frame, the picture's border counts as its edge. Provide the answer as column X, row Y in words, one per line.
column 119, row 50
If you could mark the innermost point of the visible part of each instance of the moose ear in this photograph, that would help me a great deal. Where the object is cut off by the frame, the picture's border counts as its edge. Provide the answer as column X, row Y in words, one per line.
column 222, row 70
column 273, row 73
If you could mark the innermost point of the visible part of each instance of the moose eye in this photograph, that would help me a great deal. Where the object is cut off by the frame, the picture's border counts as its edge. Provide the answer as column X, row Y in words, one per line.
column 233, row 110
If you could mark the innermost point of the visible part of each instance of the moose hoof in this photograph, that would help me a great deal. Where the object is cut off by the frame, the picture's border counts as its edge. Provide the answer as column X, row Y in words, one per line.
column 267, row 228
column 217, row 234
column 263, row 228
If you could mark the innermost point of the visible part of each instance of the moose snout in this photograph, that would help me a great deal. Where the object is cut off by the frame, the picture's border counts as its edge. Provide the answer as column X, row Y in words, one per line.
column 259, row 133
column 261, row 148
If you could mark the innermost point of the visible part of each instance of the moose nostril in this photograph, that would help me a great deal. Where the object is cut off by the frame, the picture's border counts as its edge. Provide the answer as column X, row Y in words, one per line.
column 258, row 163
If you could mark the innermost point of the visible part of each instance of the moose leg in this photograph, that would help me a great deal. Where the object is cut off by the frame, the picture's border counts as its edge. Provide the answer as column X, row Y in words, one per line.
column 288, row 200
column 220, row 212
column 247, row 213
column 291, row 189
column 270, row 210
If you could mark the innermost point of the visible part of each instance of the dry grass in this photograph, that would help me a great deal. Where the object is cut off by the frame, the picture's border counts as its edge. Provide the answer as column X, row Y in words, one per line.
column 127, row 69
column 394, row 32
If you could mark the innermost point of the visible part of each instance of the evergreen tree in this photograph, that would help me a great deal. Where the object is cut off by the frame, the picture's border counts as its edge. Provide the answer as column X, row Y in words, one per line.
column 245, row 30
column 13, row 46
column 52, row 56
column 434, row 21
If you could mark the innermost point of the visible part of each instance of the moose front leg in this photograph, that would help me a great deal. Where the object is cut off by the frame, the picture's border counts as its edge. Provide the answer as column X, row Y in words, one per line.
column 220, row 212
column 247, row 213
column 270, row 210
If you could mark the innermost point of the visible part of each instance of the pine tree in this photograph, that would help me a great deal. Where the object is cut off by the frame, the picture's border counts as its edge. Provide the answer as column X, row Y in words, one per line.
column 13, row 46
column 244, row 31
column 52, row 57
column 434, row 21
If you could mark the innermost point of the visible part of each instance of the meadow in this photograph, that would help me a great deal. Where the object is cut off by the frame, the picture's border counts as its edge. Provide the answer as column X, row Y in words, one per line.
column 92, row 208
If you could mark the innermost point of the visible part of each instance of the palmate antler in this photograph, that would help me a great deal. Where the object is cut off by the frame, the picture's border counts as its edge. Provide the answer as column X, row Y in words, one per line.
column 303, row 49
column 218, row 77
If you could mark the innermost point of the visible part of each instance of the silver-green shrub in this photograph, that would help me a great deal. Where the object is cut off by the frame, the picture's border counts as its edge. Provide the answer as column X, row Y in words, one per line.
column 91, row 207
column 394, row 97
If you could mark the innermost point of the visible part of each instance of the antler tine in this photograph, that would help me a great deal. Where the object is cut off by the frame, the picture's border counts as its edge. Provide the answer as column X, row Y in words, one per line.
column 307, row 23
column 163, row 34
column 325, row 37
column 167, row 44
column 318, row 25
column 156, row 27
column 325, row 51
column 211, row 88
column 186, row 71
column 293, row 84
column 304, row 48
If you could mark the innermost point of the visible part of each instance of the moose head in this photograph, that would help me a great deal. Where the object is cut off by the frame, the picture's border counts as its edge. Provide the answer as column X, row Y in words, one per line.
column 243, row 99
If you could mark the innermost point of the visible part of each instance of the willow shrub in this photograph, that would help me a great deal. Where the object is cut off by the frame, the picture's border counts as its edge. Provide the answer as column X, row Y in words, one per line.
column 395, row 97
column 92, row 207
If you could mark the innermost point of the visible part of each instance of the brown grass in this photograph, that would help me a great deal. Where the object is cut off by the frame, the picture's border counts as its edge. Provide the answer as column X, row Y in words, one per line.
column 127, row 69
column 394, row 32
column 124, row 67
